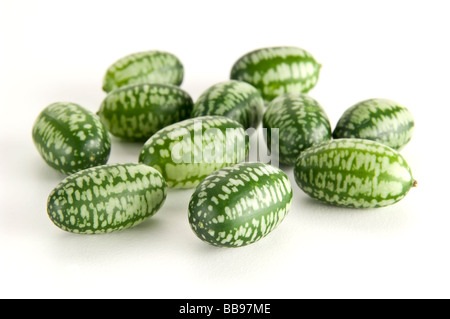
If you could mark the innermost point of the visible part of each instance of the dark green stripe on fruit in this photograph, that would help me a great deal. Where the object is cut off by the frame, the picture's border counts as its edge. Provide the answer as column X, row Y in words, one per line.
column 277, row 70
column 380, row 120
column 135, row 112
column 144, row 67
column 188, row 151
column 237, row 100
column 106, row 198
column 301, row 123
column 238, row 205
column 70, row 138
column 354, row 173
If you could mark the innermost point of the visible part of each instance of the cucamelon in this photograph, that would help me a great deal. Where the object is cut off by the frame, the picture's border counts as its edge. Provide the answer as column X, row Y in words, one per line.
column 106, row 198
column 238, row 205
column 380, row 120
column 136, row 112
column 188, row 151
column 301, row 123
column 277, row 70
column 70, row 138
column 235, row 99
column 354, row 173
column 144, row 67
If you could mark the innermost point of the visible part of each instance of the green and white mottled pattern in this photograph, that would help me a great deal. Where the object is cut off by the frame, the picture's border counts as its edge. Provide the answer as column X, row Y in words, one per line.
column 239, row 205
column 144, row 67
column 354, row 173
column 70, row 138
column 380, row 120
column 235, row 99
column 301, row 123
column 136, row 112
column 106, row 198
column 277, row 70
column 188, row 151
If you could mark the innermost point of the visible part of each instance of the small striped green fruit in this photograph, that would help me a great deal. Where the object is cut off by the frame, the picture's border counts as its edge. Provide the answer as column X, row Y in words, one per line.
column 188, row 151
column 144, row 67
column 70, row 138
column 354, row 173
column 106, row 198
column 238, row 205
column 380, row 120
column 235, row 99
column 277, row 70
column 301, row 123
column 136, row 112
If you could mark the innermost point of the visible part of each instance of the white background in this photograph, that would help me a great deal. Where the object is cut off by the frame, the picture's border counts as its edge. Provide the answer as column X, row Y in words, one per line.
column 59, row 50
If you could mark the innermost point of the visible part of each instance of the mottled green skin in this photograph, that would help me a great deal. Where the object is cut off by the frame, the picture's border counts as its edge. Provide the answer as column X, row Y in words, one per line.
column 301, row 123
column 180, row 151
column 70, row 138
column 238, row 205
column 235, row 99
column 106, row 198
column 380, row 120
column 277, row 70
column 136, row 112
column 354, row 173
column 144, row 67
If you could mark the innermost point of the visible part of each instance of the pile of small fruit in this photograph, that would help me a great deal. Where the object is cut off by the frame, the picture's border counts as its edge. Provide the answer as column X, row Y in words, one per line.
column 204, row 145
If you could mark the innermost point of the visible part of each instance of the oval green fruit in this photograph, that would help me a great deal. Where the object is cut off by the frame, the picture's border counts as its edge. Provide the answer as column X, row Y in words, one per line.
column 70, row 138
column 354, row 173
column 380, row 120
column 277, row 70
column 237, row 100
column 188, row 151
column 144, row 67
column 106, row 198
column 238, row 205
column 300, row 123
column 136, row 112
